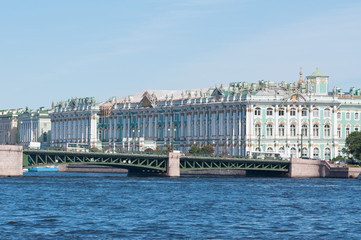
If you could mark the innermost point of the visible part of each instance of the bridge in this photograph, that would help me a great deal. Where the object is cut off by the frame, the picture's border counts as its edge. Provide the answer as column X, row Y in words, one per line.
column 150, row 163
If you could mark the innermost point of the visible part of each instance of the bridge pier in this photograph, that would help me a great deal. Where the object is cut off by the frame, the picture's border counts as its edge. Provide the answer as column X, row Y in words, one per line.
column 11, row 161
column 173, row 169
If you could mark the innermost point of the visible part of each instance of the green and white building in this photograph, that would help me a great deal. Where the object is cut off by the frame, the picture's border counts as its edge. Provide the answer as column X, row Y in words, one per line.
column 299, row 118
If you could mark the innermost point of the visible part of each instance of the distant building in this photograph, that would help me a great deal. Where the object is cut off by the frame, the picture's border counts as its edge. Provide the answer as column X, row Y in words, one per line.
column 75, row 121
column 294, row 119
column 34, row 126
column 9, row 126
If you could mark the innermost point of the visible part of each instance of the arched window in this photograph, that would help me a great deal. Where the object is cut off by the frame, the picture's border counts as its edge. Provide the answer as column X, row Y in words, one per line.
column 348, row 116
column 304, row 112
column 293, row 152
column 357, row 117
column 281, row 112
column 269, row 149
column 339, row 115
column 293, row 130
column 269, row 130
column 258, row 129
column 327, row 130
column 327, row 113
column 315, row 112
column 269, row 111
column 293, row 112
column 347, row 131
column 257, row 112
column 304, row 130
column 281, row 150
column 316, row 130
column 257, row 149
column 316, row 153
column 304, row 152
column 327, row 153
column 281, row 130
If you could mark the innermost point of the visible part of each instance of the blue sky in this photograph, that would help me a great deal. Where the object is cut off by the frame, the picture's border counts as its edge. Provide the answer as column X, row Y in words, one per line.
column 55, row 50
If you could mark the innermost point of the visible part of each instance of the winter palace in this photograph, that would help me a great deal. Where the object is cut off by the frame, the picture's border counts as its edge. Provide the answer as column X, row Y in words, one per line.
column 296, row 119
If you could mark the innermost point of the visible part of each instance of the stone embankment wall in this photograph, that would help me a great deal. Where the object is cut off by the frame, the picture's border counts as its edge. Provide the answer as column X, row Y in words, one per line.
column 11, row 161
column 306, row 168
column 90, row 168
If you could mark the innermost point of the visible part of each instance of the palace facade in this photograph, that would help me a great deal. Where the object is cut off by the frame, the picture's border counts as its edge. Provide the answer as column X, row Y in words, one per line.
column 300, row 118
column 34, row 126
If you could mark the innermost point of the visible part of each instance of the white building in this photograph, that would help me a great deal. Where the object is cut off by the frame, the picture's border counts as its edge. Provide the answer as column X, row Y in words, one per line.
column 9, row 126
column 75, row 121
column 34, row 126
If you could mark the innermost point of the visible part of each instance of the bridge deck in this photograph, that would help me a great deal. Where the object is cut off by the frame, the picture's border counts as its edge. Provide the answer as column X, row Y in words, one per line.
column 36, row 158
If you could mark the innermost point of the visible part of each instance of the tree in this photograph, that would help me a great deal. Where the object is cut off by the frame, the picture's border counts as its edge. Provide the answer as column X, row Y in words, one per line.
column 149, row 150
column 353, row 144
column 194, row 150
column 207, row 149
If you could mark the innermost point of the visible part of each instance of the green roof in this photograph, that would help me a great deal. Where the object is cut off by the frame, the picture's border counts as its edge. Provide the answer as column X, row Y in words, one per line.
column 317, row 74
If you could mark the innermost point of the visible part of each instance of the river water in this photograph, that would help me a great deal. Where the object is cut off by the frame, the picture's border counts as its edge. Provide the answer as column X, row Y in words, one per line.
column 114, row 206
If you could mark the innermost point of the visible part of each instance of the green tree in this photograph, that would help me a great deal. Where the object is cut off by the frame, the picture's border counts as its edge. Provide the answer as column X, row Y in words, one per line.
column 207, row 149
column 194, row 150
column 353, row 144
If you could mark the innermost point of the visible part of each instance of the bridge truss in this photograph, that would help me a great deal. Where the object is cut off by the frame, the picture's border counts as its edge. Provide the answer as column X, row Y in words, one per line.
column 149, row 162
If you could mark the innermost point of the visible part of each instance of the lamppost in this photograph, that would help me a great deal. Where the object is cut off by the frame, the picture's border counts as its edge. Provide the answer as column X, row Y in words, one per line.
column 172, row 130
column 259, row 141
column 135, row 130
column 301, row 148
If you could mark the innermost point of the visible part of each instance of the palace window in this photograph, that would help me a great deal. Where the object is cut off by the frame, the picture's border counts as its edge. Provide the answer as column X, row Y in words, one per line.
column 281, row 130
column 293, row 152
column 258, row 129
column 339, row 115
column 269, row 111
column 327, row 153
column 327, row 130
column 357, row 117
column 315, row 112
column 293, row 130
column 304, row 152
column 316, row 130
column 269, row 149
column 348, row 116
column 347, row 131
column 304, row 130
column 339, row 132
column 304, row 112
column 327, row 113
column 316, row 153
column 281, row 150
column 257, row 112
column 293, row 112
column 356, row 129
column 269, row 130
column 281, row 112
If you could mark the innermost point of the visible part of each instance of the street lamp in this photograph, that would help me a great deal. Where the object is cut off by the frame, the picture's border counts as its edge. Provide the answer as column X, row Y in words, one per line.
column 135, row 130
column 301, row 148
column 259, row 141
column 172, row 130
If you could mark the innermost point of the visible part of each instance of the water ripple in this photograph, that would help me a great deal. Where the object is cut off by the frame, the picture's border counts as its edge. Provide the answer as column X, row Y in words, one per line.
column 113, row 206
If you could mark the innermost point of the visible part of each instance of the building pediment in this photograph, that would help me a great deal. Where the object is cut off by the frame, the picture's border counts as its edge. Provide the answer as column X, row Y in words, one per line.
column 217, row 93
column 296, row 97
column 148, row 101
